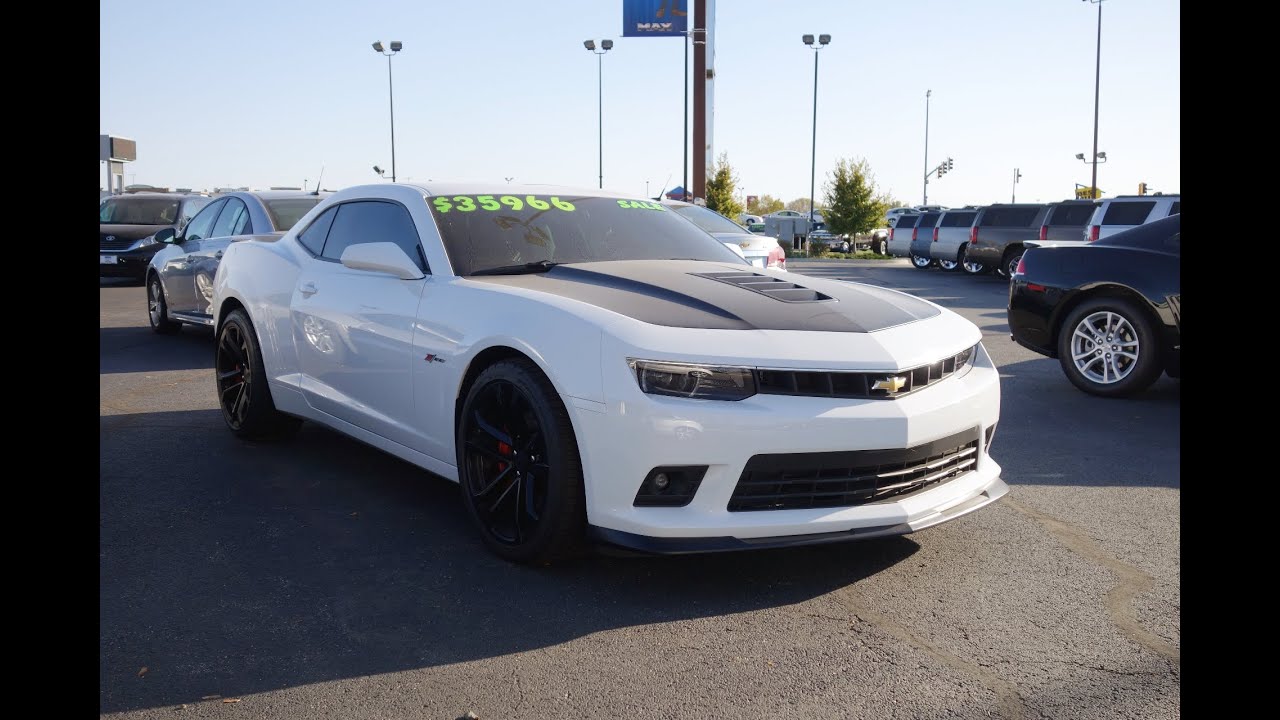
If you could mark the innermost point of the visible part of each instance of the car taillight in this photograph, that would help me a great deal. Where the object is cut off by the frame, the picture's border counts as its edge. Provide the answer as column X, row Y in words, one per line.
column 935, row 234
column 973, row 235
column 1093, row 232
column 914, row 233
column 1022, row 265
column 891, row 234
column 1044, row 232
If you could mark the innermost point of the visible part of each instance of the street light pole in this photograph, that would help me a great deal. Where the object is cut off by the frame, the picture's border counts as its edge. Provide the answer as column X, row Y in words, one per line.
column 1016, row 174
column 823, row 41
column 927, row 94
column 1097, row 85
column 606, row 46
column 391, row 93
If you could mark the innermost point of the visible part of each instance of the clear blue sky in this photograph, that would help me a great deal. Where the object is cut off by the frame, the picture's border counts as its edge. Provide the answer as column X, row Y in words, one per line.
column 264, row 93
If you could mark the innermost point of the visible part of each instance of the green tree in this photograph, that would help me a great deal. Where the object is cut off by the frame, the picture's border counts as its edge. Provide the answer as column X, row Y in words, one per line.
column 720, row 189
column 801, row 205
column 764, row 205
column 854, row 206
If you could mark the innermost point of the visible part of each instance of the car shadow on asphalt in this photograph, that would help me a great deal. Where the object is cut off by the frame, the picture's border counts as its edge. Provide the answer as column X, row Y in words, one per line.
column 231, row 567
column 1050, row 434
column 139, row 349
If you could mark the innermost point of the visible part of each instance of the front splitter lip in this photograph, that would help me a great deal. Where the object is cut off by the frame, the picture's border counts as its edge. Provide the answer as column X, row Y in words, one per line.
column 645, row 544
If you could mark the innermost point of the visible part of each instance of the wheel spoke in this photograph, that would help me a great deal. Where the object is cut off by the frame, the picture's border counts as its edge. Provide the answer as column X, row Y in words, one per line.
column 232, row 349
column 232, row 386
column 494, row 507
column 501, row 476
column 492, row 431
column 228, row 374
column 1080, row 356
column 492, row 454
column 242, row 400
column 1090, row 338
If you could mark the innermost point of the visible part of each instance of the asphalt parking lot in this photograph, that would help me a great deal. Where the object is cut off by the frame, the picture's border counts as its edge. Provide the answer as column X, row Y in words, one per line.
column 317, row 577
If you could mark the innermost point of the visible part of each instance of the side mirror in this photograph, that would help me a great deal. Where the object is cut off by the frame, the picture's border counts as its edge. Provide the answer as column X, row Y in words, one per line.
column 165, row 235
column 383, row 257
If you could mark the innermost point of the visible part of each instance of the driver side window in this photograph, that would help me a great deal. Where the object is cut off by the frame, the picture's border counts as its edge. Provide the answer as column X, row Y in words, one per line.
column 201, row 224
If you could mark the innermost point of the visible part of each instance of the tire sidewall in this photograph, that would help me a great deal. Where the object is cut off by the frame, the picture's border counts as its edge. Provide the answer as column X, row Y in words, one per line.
column 261, row 418
column 156, row 289
column 1149, row 365
column 565, row 486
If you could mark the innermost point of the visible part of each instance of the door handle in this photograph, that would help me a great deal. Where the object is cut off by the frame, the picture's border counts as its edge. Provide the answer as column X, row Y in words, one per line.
column 307, row 288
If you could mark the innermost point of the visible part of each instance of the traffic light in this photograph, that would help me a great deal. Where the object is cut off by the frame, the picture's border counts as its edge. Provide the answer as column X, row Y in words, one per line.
column 950, row 164
column 1142, row 188
column 942, row 169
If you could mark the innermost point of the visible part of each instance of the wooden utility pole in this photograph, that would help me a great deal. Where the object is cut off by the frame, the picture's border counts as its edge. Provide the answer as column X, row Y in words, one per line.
column 700, row 103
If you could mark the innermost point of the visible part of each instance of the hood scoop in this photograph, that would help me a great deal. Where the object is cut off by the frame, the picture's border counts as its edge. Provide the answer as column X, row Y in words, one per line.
column 768, row 286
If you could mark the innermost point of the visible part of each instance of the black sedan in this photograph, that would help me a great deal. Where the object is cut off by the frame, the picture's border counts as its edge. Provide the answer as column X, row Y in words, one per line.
column 1108, row 310
column 127, row 225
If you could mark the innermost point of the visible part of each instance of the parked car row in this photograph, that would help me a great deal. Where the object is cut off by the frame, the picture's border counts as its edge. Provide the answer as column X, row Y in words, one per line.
column 992, row 238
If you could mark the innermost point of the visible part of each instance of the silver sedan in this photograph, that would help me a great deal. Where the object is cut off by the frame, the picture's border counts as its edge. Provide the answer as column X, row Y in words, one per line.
column 180, row 277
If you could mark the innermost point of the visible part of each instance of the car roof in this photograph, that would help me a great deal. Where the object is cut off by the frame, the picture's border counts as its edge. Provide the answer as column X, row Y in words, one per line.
column 504, row 188
column 150, row 194
column 275, row 194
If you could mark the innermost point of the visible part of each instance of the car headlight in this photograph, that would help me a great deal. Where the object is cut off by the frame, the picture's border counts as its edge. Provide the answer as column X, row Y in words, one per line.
column 689, row 380
column 148, row 240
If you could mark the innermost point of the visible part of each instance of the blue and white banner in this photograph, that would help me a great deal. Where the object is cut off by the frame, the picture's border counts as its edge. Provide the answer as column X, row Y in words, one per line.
column 654, row 18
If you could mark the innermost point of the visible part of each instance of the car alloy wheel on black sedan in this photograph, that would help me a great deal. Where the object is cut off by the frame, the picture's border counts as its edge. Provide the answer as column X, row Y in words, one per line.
column 1107, row 347
column 519, row 467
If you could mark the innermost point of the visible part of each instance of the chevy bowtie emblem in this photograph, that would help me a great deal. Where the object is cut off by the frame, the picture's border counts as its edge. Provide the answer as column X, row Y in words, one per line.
column 892, row 384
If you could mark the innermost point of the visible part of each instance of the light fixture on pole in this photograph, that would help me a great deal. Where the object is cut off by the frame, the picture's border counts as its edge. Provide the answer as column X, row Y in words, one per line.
column 1017, row 174
column 823, row 41
column 1098, row 157
column 395, row 48
column 605, row 46
column 379, row 171
column 927, row 95
column 1097, row 84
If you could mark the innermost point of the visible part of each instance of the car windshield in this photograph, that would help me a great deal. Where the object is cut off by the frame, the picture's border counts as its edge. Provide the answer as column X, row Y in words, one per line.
column 138, row 211
column 285, row 213
column 482, row 232
column 709, row 220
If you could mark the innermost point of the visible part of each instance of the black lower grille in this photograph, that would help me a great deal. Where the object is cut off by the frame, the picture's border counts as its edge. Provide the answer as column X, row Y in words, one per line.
column 795, row 481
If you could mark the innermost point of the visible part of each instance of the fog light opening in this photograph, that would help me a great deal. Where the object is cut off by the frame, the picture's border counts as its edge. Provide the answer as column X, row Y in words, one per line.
column 670, row 486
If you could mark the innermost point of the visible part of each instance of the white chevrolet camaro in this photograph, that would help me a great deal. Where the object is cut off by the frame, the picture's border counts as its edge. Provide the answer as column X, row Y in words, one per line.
column 592, row 367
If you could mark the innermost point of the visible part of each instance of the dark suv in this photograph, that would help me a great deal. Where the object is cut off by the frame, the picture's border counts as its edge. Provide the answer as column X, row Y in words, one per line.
column 998, row 232
column 127, row 225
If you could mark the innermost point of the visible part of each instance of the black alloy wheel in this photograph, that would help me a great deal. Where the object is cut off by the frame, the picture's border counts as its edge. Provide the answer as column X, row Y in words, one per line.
column 158, row 310
column 243, row 394
column 519, row 466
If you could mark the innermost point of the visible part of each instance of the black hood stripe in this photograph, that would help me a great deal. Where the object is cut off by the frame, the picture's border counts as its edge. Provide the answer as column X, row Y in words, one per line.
column 683, row 293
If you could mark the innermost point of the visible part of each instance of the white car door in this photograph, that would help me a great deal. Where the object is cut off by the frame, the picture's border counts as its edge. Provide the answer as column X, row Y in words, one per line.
column 354, row 328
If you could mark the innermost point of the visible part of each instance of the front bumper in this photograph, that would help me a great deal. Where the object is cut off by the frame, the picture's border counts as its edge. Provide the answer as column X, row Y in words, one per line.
column 129, row 263
column 632, row 433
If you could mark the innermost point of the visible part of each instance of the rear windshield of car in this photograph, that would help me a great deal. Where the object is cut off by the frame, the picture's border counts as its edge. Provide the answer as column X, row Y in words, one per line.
column 906, row 221
column 1073, row 214
column 1175, row 208
column 139, row 211
column 1009, row 216
column 957, row 219
column 286, row 212
column 1127, row 213
column 482, row 232
column 928, row 220
column 708, row 220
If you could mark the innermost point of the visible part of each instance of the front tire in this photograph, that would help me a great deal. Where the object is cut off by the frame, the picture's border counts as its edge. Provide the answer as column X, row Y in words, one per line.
column 1107, row 347
column 920, row 262
column 241, row 380
column 519, row 467
column 158, row 309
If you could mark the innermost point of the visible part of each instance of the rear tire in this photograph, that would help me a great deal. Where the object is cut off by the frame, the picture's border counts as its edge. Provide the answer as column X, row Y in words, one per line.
column 970, row 267
column 1010, row 262
column 519, row 467
column 158, row 309
column 1108, row 338
column 921, row 262
column 241, row 380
